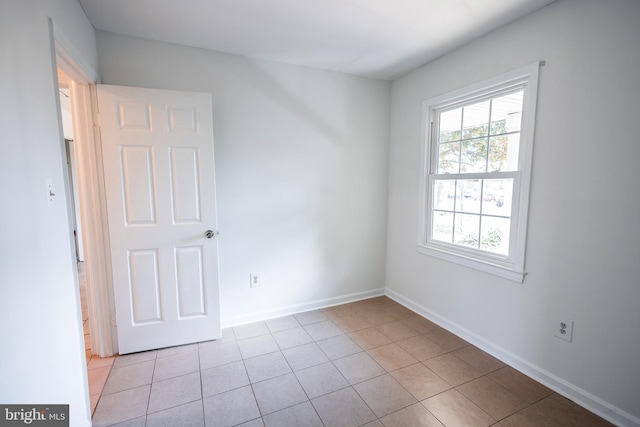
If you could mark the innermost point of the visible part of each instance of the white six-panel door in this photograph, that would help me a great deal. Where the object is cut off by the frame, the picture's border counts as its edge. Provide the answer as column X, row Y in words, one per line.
column 158, row 161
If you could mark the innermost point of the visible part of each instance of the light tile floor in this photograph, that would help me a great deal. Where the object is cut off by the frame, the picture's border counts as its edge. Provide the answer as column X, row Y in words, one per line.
column 368, row 363
column 97, row 368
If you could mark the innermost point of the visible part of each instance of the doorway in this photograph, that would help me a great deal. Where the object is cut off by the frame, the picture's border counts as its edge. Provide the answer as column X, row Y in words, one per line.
column 192, row 204
column 97, row 367
column 72, row 191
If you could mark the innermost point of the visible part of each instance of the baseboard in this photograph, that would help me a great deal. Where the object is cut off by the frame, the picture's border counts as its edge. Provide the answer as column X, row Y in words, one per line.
column 583, row 398
column 300, row 308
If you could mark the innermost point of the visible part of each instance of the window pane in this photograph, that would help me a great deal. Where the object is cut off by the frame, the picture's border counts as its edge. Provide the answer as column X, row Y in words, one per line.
column 498, row 149
column 449, row 157
column 450, row 125
column 475, row 120
column 495, row 235
column 468, row 196
column 496, row 197
column 474, row 156
column 443, row 226
column 467, row 229
column 503, row 152
column 506, row 113
column 444, row 193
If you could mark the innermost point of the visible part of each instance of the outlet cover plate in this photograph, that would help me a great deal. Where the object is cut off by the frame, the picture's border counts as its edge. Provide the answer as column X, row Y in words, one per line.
column 254, row 280
column 564, row 329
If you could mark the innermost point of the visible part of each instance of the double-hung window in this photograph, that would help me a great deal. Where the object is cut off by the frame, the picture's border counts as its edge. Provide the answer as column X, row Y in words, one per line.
column 478, row 145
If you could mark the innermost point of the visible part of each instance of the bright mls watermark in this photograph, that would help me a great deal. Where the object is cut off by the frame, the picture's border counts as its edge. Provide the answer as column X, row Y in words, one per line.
column 34, row 415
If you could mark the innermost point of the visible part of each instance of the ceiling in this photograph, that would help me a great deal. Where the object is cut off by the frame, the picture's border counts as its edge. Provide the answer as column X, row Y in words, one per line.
column 374, row 38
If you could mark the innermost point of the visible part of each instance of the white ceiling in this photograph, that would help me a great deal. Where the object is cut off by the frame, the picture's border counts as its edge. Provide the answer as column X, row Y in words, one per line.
column 375, row 38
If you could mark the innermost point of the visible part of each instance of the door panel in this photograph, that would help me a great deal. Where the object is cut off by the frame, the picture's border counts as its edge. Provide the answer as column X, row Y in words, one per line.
column 137, row 182
column 160, row 186
column 185, row 180
column 189, row 280
column 144, row 286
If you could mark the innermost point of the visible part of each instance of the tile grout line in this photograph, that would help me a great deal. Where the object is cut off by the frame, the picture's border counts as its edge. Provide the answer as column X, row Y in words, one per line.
column 153, row 373
column 204, row 419
column 102, row 389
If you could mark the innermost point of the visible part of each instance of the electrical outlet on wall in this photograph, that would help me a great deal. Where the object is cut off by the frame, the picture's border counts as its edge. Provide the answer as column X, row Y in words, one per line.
column 254, row 280
column 564, row 329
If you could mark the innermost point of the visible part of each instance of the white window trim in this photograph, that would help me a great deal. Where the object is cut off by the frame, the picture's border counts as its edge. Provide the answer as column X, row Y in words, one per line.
column 511, row 267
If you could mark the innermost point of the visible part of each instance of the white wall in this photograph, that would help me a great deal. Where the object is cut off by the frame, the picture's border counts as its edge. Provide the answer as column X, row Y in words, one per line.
column 584, row 228
column 41, row 336
column 301, row 171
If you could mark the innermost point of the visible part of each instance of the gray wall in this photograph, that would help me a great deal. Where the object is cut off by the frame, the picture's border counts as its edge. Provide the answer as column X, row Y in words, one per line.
column 584, row 230
column 301, row 171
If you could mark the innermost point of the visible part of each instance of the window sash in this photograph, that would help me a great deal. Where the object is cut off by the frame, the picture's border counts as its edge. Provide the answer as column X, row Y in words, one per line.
column 511, row 266
column 514, row 218
column 437, row 110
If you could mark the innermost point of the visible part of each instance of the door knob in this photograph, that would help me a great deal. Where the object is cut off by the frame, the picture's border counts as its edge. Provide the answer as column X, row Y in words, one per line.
column 210, row 233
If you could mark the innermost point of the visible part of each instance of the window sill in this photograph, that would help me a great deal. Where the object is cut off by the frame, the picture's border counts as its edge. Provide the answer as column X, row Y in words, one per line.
column 490, row 266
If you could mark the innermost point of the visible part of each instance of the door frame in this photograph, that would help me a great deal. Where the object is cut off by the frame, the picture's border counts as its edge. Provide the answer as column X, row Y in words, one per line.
column 92, row 199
